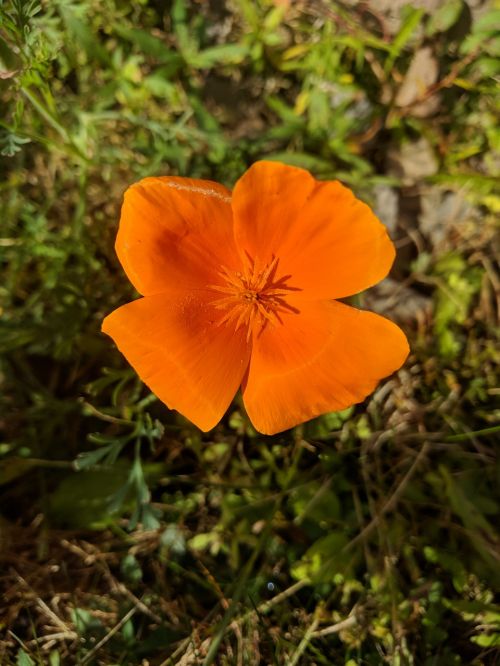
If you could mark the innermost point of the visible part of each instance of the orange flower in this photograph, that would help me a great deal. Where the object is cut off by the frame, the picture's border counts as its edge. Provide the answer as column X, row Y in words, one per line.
column 239, row 290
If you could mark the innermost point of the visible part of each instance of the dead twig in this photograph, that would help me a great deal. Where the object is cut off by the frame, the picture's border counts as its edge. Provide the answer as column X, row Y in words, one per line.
column 350, row 621
column 48, row 612
column 109, row 635
column 393, row 501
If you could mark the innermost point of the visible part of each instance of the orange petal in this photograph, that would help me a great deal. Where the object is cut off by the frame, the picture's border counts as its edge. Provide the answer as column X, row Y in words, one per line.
column 175, row 231
column 192, row 364
column 324, row 359
column 329, row 242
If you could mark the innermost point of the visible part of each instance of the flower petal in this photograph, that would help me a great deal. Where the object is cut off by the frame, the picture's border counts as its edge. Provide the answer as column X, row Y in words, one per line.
column 175, row 231
column 326, row 358
column 329, row 242
column 175, row 345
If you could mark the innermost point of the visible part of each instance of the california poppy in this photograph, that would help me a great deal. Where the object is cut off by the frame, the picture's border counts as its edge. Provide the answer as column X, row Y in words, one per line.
column 239, row 289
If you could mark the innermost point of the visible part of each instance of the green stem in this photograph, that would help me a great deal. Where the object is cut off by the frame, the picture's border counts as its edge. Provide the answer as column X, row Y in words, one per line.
column 49, row 118
column 470, row 435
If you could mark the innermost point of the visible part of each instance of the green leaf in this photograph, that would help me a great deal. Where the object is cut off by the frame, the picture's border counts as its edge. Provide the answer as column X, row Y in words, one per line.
column 457, row 285
column 148, row 44
column 319, row 111
column 186, row 39
column 13, row 468
column 449, row 562
column 285, row 112
column 178, row 12
column 316, row 502
column 463, row 505
column 470, row 608
column 11, row 143
column 485, row 35
column 107, row 454
column 309, row 162
column 54, row 658
column 83, row 36
column 273, row 19
column 173, row 540
column 487, row 640
column 86, row 624
column 444, row 17
column 158, row 640
column 410, row 23
column 131, row 569
column 324, row 559
column 82, row 499
column 23, row 659
column 128, row 631
column 223, row 54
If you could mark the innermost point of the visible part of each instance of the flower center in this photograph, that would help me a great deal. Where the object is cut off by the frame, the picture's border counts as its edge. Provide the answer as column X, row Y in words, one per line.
column 254, row 296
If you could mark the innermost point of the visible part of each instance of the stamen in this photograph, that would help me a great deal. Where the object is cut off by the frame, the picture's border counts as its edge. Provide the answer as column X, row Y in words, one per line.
column 253, row 297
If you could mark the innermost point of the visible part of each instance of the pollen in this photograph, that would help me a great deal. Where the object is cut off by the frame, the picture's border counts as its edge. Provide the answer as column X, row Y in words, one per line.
column 253, row 297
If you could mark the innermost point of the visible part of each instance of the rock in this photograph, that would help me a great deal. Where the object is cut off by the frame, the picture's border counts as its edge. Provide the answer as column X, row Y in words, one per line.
column 386, row 207
column 422, row 73
column 441, row 212
column 413, row 161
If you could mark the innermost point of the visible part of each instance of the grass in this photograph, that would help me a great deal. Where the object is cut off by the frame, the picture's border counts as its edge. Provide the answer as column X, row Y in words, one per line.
column 365, row 537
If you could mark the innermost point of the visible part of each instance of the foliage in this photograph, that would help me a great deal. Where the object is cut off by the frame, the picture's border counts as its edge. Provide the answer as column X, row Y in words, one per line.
column 363, row 537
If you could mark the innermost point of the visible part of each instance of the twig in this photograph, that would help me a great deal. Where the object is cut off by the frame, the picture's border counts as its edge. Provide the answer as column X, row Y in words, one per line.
column 394, row 499
column 264, row 607
column 109, row 635
column 325, row 486
column 42, row 605
column 91, row 558
column 57, row 636
column 225, row 604
column 304, row 642
column 304, row 582
column 191, row 651
column 349, row 622
column 104, row 417
column 267, row 605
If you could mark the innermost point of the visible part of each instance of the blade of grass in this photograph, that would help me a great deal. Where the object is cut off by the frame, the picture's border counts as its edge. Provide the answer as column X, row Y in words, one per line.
column 462, row 437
